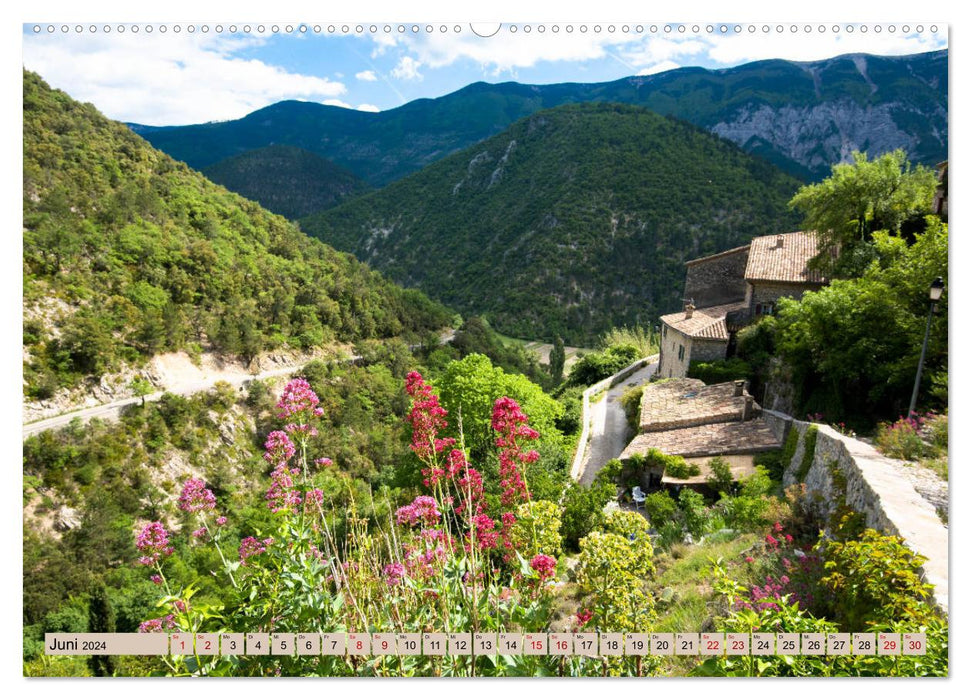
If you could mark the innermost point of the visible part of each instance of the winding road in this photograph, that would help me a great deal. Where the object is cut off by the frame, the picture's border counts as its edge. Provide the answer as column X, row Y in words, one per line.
column 609, row 432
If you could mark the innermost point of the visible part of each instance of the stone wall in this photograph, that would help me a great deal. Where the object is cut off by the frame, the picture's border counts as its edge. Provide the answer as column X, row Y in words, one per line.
column 717, row 279
column 671, row 340
column 770, row 292
column 846, row 470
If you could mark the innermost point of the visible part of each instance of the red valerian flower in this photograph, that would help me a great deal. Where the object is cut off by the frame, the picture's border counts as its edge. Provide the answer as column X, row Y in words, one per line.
column 195, row 497
column 422, row 510
column 427, row 419
column 298, row 399
column 511, row 424
column 153, row 543
column 544, row 565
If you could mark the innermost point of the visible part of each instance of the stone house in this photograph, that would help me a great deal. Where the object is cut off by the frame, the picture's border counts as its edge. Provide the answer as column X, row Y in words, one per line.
column 686, row 417
column 727, row 291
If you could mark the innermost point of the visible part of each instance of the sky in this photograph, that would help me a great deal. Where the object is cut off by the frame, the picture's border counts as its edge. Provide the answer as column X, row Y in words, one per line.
column 221, row 71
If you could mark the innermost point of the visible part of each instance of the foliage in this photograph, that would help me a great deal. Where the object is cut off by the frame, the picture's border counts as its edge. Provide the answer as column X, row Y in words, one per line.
column 642, row 337
column 808, row 451
column 475, row 336
column 470, row 387
column 721, row 478
column 853, row 346
column 544, row 226
column 660, row 507
column 859, row 198
column 583, row 508
column 557, row 360
column 718, row 371
column 288, row 181
column 904, row 438
column 591, row 368
column 145, row 255
column 681, row 469
column 537, row 529
column 630, row 400
column 694, row 515
column 612, row 569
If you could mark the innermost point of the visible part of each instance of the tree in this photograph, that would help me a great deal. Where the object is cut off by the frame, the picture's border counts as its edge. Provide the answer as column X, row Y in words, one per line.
column 853, row 346
column 557, row 360
column 101, row 618
column 858, row 199
column 141, row 388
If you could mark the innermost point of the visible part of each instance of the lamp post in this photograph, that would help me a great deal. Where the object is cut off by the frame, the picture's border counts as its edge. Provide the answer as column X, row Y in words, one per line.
column 937, row 288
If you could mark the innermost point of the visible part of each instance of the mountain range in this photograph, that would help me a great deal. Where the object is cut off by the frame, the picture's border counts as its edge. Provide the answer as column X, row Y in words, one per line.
column 571, row 221
column 801, row 116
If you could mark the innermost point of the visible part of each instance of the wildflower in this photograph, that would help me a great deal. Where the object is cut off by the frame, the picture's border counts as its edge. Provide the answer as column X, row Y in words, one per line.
column 313, row 497
column 221, row 520
column 544, row 565
column 250, row 547
column 279, row 448
column 749, row 560
column 181, row 606
column 771, row 541
column 159, row 624
column 156, row 579
column 298, row 399
column 281, row 495
column 583, row 617
column 470, row 486
column 777, row 527
column 393, row 573
column 323, row 462
column 427, row 419
column 483, row 527
column 788, row 538
column 200, row 533
column 300, row 428
column 195, row 496
column 423, row 510
column 509, row 421
column 153, row 543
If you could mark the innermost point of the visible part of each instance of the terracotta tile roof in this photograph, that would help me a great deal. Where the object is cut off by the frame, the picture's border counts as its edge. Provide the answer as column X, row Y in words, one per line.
column 708, row 440
column 707, row 323
column 783, row 257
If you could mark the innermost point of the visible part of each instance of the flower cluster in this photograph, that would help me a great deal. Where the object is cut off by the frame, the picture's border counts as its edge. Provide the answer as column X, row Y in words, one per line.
column 159, row 624
column 544, row 565
column 511, row 424
column 279, row 448
column 250, row 547
column 195, row 497
column 298, row 400
column 153, row 543
column 423, row 510
column 427, row 419
column 394, row 573
column 282, row 495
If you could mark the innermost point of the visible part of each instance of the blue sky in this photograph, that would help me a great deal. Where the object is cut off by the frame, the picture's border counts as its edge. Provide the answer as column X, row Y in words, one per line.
column 180, row 78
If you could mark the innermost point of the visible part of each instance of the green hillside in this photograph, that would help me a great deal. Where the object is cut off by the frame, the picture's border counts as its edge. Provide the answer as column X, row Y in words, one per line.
column 573, row 221
column 286, row 180
column 801, row 116
column 142, row 255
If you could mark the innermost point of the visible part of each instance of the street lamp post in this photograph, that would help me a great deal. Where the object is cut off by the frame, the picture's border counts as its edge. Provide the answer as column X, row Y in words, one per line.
column 937, row 288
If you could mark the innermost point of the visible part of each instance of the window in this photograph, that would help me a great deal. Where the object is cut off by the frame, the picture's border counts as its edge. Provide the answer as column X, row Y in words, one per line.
column 664, row 332
column 764, row 309
column 680, row 353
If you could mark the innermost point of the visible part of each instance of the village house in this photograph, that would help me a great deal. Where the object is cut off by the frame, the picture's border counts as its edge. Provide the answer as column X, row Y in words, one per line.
column 696, row 421
column 727, row 291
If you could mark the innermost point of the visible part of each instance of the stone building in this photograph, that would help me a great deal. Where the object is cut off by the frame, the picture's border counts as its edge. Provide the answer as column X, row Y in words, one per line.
column 686, row 417
column 728, row 290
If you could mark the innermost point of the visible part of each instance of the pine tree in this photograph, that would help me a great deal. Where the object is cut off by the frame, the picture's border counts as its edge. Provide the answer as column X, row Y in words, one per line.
column 101, row 618
column 557, row 360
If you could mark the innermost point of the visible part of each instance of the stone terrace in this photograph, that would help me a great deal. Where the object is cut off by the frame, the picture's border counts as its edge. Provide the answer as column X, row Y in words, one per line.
column 748, row 437
column 684, row 403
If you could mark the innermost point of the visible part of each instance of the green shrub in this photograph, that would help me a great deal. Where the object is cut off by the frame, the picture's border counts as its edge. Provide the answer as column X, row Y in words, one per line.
column 693, row 511
column 721, row 479
column 720, row 371
column 902, row 439
column 591, row 368
column 630, row 400
column 583, row 511
column 660, row 508
column 681, row 469
column 537, row 529
column 809, row 451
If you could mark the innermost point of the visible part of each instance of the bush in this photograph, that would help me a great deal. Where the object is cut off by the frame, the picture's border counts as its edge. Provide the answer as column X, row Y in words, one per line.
column 903, row 440
column 583, row 511
column 591, row 368
column 721, row 479
column 630, row 400
column 660, row 508
column 537, row 529
column 720, row 370
column 680, row 469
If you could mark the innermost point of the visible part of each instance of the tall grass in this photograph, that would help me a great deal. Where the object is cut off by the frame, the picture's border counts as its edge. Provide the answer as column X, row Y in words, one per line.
column 644, row 339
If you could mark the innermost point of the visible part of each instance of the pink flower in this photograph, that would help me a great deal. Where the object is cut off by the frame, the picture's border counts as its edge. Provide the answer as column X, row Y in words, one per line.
column 313, row 497
column 279, row 448
column 156, row 579
column 200, row 533
column 509, row 421
column 583, row 617
column 159, row 624
column 221, row 520
column 427, row 420
column 298, row 399
column 423, row 510
column 153, row 543
column 195, row 496
column 323, row 462
column 544, row 565
column 181, row 605
column 393, row 573
column 250, row 547
column 281, row 495
column 749, row 560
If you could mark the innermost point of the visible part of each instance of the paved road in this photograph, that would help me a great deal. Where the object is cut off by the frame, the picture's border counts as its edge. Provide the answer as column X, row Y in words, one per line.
column 111, row 411
column 608, row 432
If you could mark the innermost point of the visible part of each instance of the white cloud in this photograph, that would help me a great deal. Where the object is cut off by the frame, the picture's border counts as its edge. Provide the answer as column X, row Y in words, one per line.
column 337, row 103
column 364, row 107
column 367, row 76
column 407, row 69
column 167, row 79
column 659, row 68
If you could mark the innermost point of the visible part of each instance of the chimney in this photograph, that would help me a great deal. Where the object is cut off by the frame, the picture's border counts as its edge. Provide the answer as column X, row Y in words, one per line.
column 689, row 309
column 780, row 241
column 739, row 387
column 747, row 409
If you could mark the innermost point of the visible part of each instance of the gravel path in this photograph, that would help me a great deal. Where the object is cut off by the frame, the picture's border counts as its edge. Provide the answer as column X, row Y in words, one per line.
column 609, row 432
